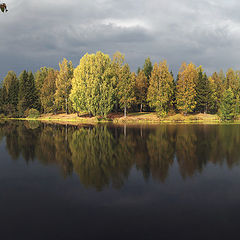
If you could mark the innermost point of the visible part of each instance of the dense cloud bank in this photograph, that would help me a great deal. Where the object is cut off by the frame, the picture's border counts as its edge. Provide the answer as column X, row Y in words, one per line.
column 39, row 33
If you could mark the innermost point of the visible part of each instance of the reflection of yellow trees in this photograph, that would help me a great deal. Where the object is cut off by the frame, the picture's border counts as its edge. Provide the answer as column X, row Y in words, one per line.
column 226, row 145
column 96, row 157
column 53, row 148
column 186, row 148
column 161, row 151
column 103, row 156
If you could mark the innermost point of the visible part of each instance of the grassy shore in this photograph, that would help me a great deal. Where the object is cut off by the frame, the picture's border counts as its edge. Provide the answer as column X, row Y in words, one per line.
column 132, row 118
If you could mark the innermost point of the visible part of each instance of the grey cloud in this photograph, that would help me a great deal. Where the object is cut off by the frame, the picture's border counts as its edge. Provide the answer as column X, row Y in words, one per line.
column 38, row 33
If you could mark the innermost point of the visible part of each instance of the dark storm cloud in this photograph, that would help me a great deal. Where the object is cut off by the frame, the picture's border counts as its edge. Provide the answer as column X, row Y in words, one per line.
column 37, row 33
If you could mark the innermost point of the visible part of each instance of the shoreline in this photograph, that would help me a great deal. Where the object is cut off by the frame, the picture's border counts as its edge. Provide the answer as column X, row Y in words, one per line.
column 131, row 119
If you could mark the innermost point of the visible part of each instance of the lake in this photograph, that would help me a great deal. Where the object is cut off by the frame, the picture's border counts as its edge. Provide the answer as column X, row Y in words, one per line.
column 119, row 182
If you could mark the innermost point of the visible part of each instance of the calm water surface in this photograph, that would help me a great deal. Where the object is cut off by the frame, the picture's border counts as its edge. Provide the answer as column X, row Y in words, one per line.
column 106, row 182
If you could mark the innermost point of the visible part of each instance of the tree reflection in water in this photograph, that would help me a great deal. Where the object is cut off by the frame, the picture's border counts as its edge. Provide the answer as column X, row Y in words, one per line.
column 103, row 155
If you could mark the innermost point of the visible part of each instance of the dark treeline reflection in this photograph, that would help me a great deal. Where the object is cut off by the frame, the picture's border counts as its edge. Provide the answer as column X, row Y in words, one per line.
column 104, row 155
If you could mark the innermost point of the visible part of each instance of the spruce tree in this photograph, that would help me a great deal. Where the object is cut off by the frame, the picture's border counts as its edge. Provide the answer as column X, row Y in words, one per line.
column 203, row 92
column 31, row 92
column 217, row 89
column 11, row 86
column 22, row 94
column 147, row 68
column 227, row 106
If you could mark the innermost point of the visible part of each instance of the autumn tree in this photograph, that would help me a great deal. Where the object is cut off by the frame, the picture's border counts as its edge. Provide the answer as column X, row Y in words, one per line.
column 116, row 67
column 160, row 89
column 217, row 89
column 141, row 88
column 232, row 81
column 63, row 86
column 186, row 92
column 40, row 76
column 125, row 88
column 48, row 90
column 92, row 85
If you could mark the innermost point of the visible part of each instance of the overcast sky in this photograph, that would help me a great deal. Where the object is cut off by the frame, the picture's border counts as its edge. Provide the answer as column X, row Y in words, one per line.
column 37, row 33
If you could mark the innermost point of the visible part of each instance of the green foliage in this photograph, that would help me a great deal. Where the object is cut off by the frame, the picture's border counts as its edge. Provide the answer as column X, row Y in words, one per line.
column 141, row 87
column 63, row 86
column 99, row 86
column 147, row 68
column 217, row 89
column 33, row 113
column 125, row 88
column 48, row 90
column 27, row 92
column 227, row 106
column 160, row 90
column 40, row 76
column 93, row 85
column 203, row 93
column 9, row 93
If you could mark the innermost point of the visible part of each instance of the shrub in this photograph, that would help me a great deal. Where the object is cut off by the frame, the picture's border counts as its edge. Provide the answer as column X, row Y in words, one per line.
column 33, row 113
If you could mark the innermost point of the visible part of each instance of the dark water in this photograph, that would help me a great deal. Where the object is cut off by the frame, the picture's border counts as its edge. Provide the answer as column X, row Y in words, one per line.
column 106, row 182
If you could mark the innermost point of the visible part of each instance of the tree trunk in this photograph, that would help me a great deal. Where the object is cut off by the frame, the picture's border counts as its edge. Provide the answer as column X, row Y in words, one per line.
column 141, row 107
column 125, row 111
column 66, row 101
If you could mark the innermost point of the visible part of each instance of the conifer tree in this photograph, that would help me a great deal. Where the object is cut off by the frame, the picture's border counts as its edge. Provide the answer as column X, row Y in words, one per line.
column 141, row 88
column 160, row 89
column 217, row 88
column 125, row 88
column 11, row 86
column 63, row 86
column 232, row 81
column 22, row 94
column 227, row 106
column 186, row 92
column 31, row 92
column 147, row 68
column 203, row 92
column 3, row 97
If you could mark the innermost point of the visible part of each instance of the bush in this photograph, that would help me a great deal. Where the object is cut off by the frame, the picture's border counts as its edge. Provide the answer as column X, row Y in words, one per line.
column 33, row 113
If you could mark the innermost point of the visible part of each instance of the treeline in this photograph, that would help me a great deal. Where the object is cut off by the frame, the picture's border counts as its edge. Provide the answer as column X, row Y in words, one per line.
column 100, row 85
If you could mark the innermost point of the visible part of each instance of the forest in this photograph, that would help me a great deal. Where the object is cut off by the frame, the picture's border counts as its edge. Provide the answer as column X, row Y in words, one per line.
column 100, row 85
